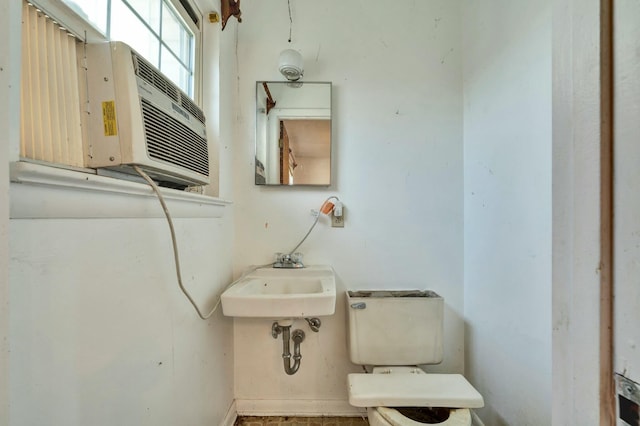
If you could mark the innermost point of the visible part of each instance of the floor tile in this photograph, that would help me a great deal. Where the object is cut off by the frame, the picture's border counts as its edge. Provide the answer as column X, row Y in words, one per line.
column 301, row 421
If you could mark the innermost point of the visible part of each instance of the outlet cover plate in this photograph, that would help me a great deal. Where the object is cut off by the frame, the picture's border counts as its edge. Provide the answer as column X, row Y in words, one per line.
column 338, row 221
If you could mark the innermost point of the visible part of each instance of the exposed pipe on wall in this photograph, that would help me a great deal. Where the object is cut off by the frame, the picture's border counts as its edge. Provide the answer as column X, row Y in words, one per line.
column 297, row 336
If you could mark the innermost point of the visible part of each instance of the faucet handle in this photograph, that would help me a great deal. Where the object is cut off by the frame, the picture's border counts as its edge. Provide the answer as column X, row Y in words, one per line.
column 285, row 260
column 296, row 257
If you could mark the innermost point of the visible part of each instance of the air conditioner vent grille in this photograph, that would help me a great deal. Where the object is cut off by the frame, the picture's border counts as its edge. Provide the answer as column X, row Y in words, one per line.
column 171, row 141
column 148, row 73
column 192, row 108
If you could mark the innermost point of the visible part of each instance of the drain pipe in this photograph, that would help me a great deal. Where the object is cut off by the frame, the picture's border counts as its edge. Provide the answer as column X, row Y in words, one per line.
column 297, row 337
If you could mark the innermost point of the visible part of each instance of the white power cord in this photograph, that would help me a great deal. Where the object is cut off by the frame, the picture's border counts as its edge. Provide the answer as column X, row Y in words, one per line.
column 176, row 256
column 315, row 222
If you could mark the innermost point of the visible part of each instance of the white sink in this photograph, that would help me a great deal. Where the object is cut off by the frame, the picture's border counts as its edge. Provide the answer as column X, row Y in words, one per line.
column 282, row 293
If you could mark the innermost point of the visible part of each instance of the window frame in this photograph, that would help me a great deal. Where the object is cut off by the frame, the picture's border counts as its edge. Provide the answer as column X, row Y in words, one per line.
column 87, row 32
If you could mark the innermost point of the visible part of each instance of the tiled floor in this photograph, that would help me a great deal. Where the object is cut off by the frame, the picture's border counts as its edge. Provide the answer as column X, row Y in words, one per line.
column 301, row 421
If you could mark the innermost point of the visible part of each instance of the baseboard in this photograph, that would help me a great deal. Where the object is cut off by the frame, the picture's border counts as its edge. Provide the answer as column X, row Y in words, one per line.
column 232, row 415
column 296, row 407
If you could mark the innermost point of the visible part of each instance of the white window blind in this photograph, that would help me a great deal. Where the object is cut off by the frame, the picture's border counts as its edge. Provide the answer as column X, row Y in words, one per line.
column 50, row 118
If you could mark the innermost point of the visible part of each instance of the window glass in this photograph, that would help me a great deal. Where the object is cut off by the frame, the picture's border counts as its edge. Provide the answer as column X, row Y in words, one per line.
column 175, row 35
column 153, row 28
column 125, row 26
column 173, row 69
column 148, row 10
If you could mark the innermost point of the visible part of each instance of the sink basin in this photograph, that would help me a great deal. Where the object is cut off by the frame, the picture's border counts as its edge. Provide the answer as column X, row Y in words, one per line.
column 282, row 293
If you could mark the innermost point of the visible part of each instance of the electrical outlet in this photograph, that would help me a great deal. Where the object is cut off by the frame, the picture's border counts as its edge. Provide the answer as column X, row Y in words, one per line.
column 628, row 400
column 338, row 221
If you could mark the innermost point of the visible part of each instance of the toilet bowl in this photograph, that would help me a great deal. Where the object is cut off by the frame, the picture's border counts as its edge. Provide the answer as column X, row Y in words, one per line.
column 407, row 396
column 399, row 330
column 385, row 416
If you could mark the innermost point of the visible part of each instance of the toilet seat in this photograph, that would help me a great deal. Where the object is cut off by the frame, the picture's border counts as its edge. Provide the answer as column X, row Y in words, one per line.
column 392, row 417
column 389, row 387
column 399, row 388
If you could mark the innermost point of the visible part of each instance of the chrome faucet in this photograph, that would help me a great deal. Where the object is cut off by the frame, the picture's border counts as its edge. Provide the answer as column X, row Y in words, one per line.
column 290, row 260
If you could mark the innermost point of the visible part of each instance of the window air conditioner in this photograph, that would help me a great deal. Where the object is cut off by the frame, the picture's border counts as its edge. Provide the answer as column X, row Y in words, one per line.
column 137, row 116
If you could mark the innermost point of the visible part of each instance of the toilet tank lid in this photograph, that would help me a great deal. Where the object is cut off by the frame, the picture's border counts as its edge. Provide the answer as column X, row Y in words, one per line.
column 412, row 390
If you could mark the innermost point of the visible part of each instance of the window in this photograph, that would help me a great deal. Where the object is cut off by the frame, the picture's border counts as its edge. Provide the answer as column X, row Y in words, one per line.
column 163, row 32
column 63, row 84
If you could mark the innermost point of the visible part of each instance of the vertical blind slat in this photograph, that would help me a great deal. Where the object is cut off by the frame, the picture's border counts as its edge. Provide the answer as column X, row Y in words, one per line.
column 73, row 105
column 25, row 88
column 51, row 53
column 63, row 95
column 41, row 97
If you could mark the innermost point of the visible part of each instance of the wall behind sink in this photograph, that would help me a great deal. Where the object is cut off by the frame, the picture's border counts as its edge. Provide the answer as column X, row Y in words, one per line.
column 397, row 130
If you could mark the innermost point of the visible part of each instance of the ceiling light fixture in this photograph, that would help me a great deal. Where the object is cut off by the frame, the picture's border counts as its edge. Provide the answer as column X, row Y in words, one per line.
column 290, row 64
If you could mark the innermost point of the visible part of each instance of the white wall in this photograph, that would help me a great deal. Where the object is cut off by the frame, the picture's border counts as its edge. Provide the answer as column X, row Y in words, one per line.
column 220, row 96
column 100, row 333
column 9, row 114
column 507, row 219
column 627, row 179
column 397, row 132
column 576, row 212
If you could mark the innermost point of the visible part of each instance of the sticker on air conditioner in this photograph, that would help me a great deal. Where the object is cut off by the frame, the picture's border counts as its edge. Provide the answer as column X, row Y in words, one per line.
column 109, row 118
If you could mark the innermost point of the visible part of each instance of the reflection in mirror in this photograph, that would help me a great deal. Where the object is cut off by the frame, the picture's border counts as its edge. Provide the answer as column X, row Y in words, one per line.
column 293, row 133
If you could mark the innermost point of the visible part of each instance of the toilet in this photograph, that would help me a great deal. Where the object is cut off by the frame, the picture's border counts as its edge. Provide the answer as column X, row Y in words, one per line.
column 393, row 332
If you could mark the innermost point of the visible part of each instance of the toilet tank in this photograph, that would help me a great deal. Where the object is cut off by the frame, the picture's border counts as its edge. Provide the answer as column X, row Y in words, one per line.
column 395, row 327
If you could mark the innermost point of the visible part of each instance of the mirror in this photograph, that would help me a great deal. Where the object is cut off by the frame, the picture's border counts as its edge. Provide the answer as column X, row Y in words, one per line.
column 293, row 133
